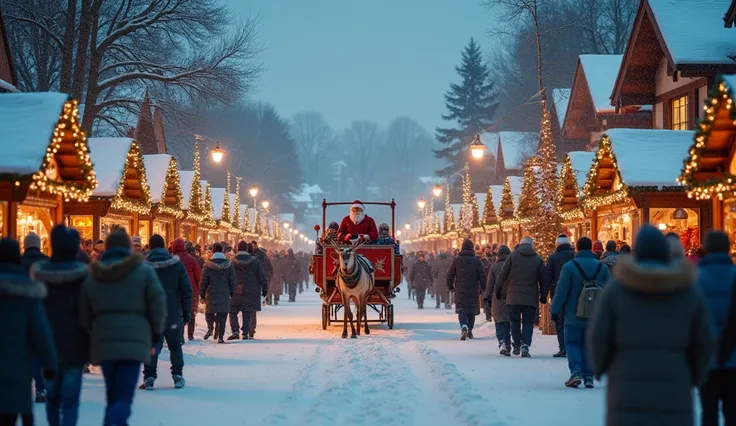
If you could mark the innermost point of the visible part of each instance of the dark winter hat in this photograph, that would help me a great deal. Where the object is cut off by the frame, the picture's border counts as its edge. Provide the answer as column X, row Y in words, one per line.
column 156, row 241
column 611, row 245
column 651, row 245
column 243, row 246
column 118, row 238
column 625, row 248
column 9, row 251
column 504, row 250
column 216, row 248
column 64, row 244
column 583, row 243
column 467, row 245
column 716, row 242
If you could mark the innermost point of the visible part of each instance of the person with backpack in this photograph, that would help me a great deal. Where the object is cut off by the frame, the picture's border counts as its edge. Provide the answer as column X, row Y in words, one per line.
column 578, row 290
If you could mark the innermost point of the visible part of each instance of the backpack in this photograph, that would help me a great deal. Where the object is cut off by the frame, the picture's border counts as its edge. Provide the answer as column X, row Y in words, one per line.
column 590, row 293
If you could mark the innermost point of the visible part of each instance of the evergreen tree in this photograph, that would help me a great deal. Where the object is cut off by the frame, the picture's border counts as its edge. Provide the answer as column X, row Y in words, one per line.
column 449, row 212
column 472, row 106
column 529, row 200
column 489, row 210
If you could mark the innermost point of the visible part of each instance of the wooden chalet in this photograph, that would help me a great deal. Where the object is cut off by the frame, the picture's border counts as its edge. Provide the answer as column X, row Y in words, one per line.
column 709, row 170
column 122, row 195
column 166, row 197
column 558, row 109
column 573, row 175
column 513, row 149
column 730, row 15
column 509, row 226
column 209, row 234
column 589, row 111
column 45, row 163
column 675, row 50
column 625, row 189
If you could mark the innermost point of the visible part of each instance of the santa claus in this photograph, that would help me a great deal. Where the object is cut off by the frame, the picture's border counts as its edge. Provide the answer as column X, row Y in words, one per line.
column 357, row 226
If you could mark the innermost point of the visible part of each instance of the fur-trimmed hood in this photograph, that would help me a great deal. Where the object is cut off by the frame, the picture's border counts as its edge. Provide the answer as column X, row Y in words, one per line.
column 14, row 282
column 115, row 269
column 654, row 278
column 218, row 264
column 160, row 258
column 243, row 260
column 59, row 273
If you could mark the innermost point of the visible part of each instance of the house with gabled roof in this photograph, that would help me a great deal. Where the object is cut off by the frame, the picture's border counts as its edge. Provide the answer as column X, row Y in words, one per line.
column 512, row 150
column 558, row 109
column 675, row 50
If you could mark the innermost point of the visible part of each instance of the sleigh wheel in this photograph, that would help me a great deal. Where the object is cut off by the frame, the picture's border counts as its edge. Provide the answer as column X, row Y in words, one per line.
column 390, row 316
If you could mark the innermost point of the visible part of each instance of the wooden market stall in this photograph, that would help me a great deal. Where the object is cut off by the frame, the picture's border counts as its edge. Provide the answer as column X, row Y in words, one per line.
column 575, row 167
column 45, row 163
column 625, row 188
column 221, row 214
column 208, row 233
column 122, row 195
column 166, row 197
column 709, row 170
column 510, row 225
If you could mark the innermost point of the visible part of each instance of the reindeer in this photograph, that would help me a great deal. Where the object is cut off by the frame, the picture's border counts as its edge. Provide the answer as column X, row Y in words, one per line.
column 354, row 276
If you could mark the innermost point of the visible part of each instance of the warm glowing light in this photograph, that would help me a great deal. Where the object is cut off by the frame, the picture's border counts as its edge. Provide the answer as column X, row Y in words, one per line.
column 398, row 233
column 265, row 204
column 294, row 231
column 662, row 227
column 477, row 149
column 437, row 190
column 253, row 191
column 286, row 225
column 407, row 227
column 421, row 204
column 217, row 153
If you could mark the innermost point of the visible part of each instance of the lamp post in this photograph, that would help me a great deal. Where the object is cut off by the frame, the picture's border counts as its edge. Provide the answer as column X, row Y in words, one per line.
column 437, row 191
column 477, row 149
column 421, row 204
column 216, row 153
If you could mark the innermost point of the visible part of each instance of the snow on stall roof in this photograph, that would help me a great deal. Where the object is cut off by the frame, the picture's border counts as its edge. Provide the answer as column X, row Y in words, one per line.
column 157, row 166
column 431, row 180
column 561, row 97
column 27, row 125
column 490, row 140
column 516, row 146
column 218, row 202
column 481, row 197
column 243, row 211
column 694, row 31
column 456, row 210
column 305, row 193
column 203, row 185
column 515, row 182
column 232, row 205
column 600, row 73
column 497, row 191
column 580, row 161
column 635, row 150
column 186, row 181
column 108, row 156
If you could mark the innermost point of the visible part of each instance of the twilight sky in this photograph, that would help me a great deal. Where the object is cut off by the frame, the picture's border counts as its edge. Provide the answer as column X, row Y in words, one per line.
column 363, row 59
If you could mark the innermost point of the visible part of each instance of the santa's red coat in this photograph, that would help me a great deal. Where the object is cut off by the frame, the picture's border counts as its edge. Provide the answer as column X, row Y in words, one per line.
column 348, row 230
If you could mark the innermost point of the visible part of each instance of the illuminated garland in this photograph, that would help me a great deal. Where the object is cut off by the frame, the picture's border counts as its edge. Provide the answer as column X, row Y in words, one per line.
column 68, row 122
column 449, row 212
column 236, row 207
column 437, row 228
column 568, row 177
column 507, row 201
column 528, row 201
column 172, row 178
column 591, row 181
column 466, row 212
column 141, row 206
column 489, row 210
column 572, row 215
column 206, row 219
column 720, row 96
column 195, row 199
column 226, row 202
column 246, row 220
column 476, row 213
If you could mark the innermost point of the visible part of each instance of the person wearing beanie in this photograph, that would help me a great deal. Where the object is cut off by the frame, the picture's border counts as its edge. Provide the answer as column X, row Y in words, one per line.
column 215, row 290
column 467, row 280
column 651, row 335
column 252, row 285
column 63, row 276
column 522, row 284
column 597, row 249
column 563, row 254
column 184, row 251
column 610, row 256
column 173, row 276
column 499, row 310
column 582, row 278
column 421, row 276
column 26, row 333
column 716, row 284
column 123, row 309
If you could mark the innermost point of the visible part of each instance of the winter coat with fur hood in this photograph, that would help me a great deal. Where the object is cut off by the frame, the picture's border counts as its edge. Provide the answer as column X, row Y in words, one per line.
column 26, row 335
column 174, row 279
column 64, row 284
column 467, row 279
column 251, row 282
column 523, row 277
column 651, row 336
column 218, row 284
column 122, row 307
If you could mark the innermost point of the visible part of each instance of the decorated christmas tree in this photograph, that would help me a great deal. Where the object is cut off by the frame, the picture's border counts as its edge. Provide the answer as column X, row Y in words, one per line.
column 437, row 228
column 246, row 220
column 236, row 207
column 257, row 222
column 449, row 212
column 507, row 201
column 489, row 210
column 226, row 204
column 195, row 200
column 466, row 213
column 476, row 213
column 528, row 201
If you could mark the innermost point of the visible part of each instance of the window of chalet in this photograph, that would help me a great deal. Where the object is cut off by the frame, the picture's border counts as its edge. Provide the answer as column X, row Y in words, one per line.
column 679, row 114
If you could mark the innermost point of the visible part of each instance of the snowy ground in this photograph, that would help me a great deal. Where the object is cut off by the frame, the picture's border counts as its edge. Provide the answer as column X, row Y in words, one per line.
column 417, row 374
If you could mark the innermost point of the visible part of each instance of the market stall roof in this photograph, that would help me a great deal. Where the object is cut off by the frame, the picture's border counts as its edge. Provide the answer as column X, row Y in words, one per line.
column 157, row 170
column 575, row 169
column 205, row 184
column 490, row 140
column 186, row 177
column 709, row 168
column 497, row 192
column 580, row 162
column 514, row 147
column 218, row 203
column 560, row 98
column 600, row 74
column 243, row 212
column 122, row 174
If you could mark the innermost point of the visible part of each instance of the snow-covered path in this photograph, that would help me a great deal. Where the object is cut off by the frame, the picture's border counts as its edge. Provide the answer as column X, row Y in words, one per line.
column 417, row 374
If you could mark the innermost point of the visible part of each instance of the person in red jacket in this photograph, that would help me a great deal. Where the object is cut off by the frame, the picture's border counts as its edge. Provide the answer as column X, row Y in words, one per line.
column 179, row 247
column 357, row 226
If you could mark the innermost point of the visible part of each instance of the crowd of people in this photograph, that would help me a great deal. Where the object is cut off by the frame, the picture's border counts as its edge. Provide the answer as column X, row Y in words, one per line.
column 114, row 304
column 657, row 321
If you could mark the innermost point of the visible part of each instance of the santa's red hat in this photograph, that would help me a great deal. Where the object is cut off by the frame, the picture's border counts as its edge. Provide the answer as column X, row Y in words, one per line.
column 357, row 204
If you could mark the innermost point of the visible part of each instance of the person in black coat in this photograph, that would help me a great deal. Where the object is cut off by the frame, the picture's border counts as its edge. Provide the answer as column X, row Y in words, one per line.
column 63, row 275
column 175, row 280
column 251, row 286
column 26, row 335
column 563, row 254
column 467, row 279
column 215, row 290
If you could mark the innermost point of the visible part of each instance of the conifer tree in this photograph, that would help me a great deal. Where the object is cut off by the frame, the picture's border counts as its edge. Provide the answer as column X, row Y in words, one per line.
column 529, row 201
column 449, row 212
column 471, row 105
column 489, row 210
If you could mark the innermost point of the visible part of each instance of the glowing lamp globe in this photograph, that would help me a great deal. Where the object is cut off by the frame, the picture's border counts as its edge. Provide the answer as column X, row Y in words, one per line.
column 253, row 191
column 398, row 233
column 265, row 204
column 286, row 225
column 437, row 190
column 407, row 227
column 217, row 153
column 421, row 203
column 477, row 149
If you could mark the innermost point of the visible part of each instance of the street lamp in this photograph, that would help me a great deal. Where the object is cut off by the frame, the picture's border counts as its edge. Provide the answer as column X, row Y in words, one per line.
column 437, row 191
column 421, row 203
column 398, row 233
column 286, row 225
column 477, row 149
column 294, row 231
column 217, row 153
column 407, row 227
column 265, row 204
column 253, row 191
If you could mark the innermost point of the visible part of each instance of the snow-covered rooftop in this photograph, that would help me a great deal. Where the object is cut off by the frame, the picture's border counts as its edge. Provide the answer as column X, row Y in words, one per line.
column 481, row 197
column 515, row 183
column 157, row 167
column 109, row 156
column 580, row 161
column 431, row 180
column 456, row 210
column 561, row 97
column 186, row 181
column 516, row 146
column 650, row 157
column 243, row 212
column 203, row 184
column 490, row 140
column 694, row 32
column 600, row 73
column 497, row 191
column 27, row 125
column 218, row 202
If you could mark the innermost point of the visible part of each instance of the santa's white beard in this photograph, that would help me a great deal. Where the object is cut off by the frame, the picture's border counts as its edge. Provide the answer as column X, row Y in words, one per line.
column 356, row 218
